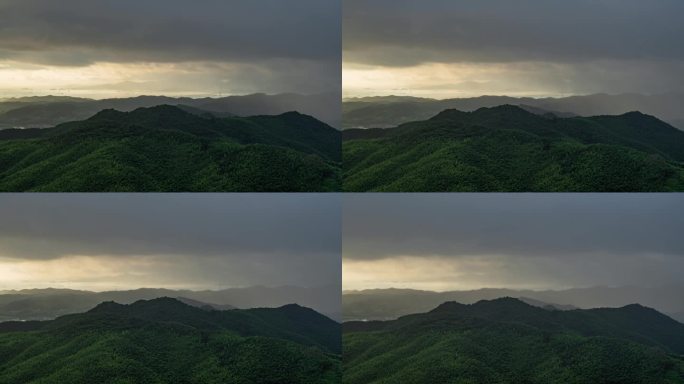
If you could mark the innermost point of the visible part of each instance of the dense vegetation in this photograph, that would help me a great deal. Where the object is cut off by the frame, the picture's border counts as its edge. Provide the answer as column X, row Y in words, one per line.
column 509, row 149
column 165, row 148
column 508, row 341
column 166, row 341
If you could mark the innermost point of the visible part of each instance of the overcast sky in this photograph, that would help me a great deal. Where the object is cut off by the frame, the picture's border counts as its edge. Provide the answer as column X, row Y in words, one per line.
column 535, row 241
column 194, row 241
column 108, row 48
column 462, row 48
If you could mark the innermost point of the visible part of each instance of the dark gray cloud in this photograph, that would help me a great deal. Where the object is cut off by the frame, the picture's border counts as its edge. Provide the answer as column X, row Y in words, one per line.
column 280, row 46
column 171, row 30
column 266, row 239
column 406, row 32
column 533, row 47
column 554, row 225
column 549, row 239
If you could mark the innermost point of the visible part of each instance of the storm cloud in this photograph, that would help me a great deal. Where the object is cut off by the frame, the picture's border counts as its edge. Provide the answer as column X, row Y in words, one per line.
column 296, row 45
column 513, row 240
column 186, row 240
column 566, row 47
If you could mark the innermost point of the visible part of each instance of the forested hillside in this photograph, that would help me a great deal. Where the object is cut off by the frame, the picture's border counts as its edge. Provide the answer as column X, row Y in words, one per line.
column 507, row 148
column 166, row 148
column 508, row 341
column 166, row 341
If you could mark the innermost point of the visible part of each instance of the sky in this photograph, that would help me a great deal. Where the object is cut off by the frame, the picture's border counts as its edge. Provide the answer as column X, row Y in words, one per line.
column 446, row 242
column 537, row 48
column 178, row 241
column 120, row 48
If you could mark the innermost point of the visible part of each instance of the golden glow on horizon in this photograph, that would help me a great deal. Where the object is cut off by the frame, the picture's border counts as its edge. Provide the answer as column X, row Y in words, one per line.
column 446, row 80
column 432, row 273
column 85, row 272
column 102, row 80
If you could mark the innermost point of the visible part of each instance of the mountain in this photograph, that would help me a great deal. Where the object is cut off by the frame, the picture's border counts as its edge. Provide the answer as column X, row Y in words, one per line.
column 545, row 113
column 44, row 304
column 508, row 341
column 205, row 306
column 165, row 148
column 549, row 306
column 48, row 111
column 390, row 111
column 385, row 304
column 509, row 149
column 325, row 106
column 166, row 341
column 202, row 112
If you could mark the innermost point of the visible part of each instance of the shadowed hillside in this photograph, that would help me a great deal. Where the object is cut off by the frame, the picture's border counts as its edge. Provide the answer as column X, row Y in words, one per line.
column 166, row 148
column 507, row 148
column 166, row 341
column 508, row 341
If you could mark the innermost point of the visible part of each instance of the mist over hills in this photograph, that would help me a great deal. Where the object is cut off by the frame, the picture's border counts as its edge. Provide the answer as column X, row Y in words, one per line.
column 42, row 304
column 390, row 111
column 383, row 304
column 509, row 149
column 48, row 111
column 167, row 148
column 166, row 341
column 506, row 340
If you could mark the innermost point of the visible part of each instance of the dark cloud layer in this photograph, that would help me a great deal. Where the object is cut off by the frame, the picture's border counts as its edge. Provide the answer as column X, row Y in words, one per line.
column 171, row 30
column 524, row 47
column 523, row 225
column 290, row 238
column 406, row 32
column 513, row 240
column 270, row 46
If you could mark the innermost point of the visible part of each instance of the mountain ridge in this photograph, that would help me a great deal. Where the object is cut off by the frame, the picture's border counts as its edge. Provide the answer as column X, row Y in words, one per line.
column 45, row 304
column 171, row 310
column 167, row 149
column 166, row 341
column 505, row 341
column 45, row 111
column 383, row 112
column 508, row 149
column 383, row 304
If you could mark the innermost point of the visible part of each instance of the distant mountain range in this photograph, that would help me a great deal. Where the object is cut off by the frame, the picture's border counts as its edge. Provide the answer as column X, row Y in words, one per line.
column 173, row 149
column 390, row 111
column 166, row 341
column 48, row 111
column 43, row 304
column 509, row 149
column 508, row 341
column 385, row 304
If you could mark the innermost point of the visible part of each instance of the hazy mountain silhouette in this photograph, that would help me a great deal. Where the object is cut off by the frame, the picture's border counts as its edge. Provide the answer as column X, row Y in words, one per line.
column 508, row 149
column 382, row 304
column 549, row 306
column 205, row 306
column 508, row 341
column 48, row 111
column 50, row 303
column 390, row 111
